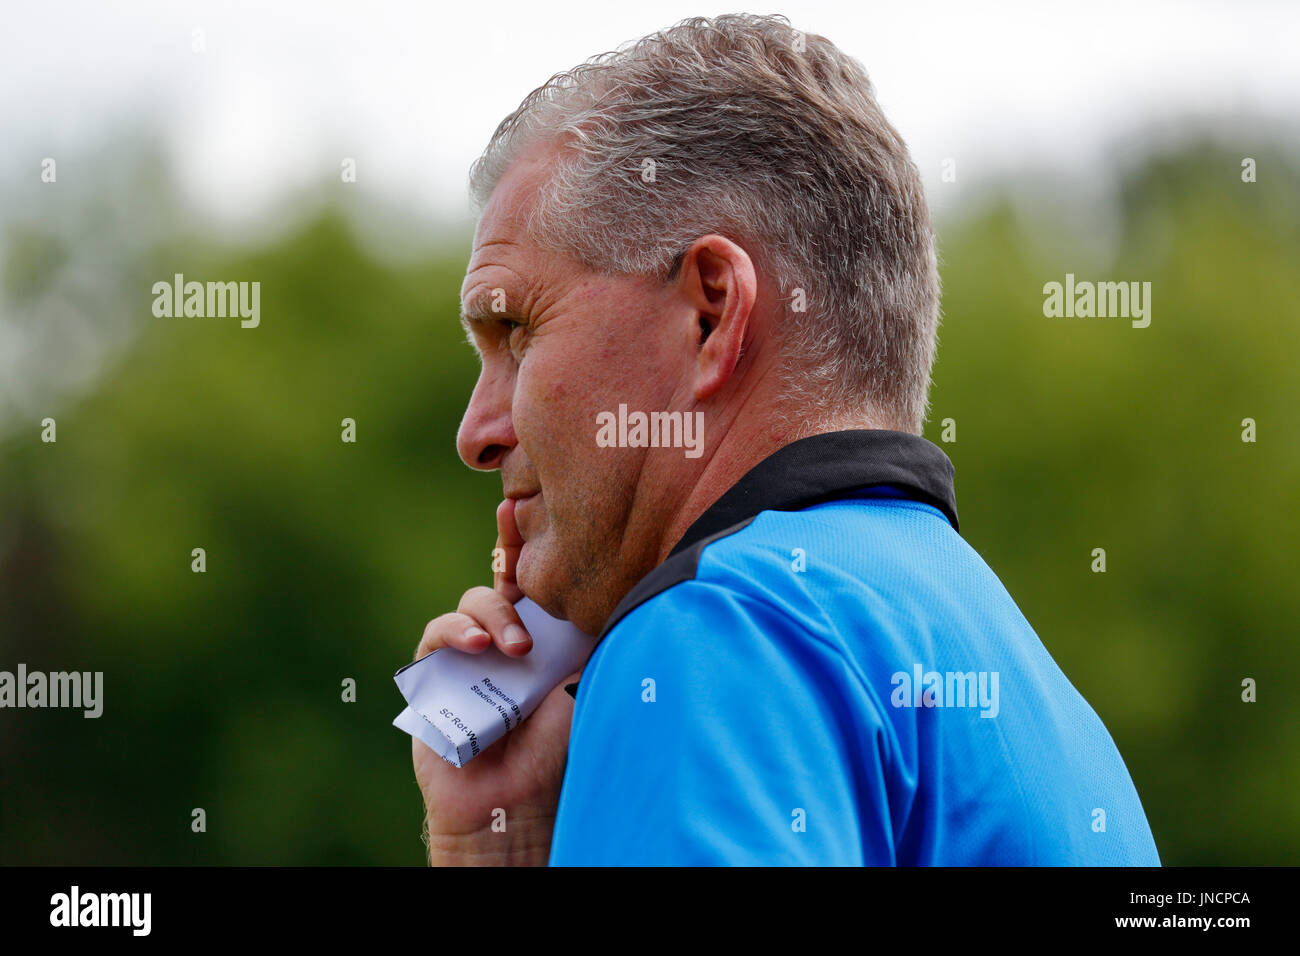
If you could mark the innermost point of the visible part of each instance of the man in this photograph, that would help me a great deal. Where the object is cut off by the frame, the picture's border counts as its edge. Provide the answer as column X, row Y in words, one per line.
column 800, row 660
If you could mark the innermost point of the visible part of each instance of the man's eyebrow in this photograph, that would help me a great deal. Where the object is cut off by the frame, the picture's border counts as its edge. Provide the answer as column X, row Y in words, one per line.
column 479, row 310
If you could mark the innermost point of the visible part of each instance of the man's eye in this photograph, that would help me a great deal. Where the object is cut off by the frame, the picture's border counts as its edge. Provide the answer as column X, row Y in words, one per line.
column 512, row 326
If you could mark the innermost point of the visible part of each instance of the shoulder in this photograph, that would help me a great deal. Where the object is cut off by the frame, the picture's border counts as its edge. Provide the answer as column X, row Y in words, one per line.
column 732, row 733
column 737, row 620
column 820, row 608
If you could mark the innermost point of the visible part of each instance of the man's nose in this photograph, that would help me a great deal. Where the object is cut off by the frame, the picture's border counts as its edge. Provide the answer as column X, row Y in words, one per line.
column 487, row 431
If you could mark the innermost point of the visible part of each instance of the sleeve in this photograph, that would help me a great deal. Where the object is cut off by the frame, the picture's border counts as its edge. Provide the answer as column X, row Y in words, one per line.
column 712, row 729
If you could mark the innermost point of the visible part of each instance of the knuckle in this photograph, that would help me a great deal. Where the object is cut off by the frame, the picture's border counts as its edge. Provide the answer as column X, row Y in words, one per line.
column 480, row 598
column 434, row 632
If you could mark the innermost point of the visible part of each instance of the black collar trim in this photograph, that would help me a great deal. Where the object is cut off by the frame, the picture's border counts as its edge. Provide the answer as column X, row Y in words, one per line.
column 831, row 465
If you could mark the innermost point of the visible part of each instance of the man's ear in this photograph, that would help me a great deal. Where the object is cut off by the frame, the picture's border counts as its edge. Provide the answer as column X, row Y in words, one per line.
column 721, row 283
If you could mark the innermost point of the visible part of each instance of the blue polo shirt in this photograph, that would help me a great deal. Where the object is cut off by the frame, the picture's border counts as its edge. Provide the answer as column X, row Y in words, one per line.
column 823, row 672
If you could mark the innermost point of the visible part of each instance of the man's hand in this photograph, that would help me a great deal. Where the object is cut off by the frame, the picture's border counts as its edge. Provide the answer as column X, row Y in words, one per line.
column 520, row 773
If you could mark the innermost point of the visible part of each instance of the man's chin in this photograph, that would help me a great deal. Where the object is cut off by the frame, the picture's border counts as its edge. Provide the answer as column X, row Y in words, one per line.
column 534, row 576
column 540, row 579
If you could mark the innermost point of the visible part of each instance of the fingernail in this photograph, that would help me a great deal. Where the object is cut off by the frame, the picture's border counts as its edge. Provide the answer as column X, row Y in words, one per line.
column 473, row 633
column 515, row 634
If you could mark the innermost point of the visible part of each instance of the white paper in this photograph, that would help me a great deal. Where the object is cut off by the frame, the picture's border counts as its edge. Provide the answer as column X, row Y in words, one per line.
column 459, row 704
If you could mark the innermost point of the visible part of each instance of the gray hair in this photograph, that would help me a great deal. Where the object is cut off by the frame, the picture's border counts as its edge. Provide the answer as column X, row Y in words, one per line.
column 774, row 139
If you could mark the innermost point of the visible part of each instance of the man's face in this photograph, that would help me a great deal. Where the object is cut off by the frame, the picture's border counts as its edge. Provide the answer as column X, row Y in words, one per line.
column 570, row 343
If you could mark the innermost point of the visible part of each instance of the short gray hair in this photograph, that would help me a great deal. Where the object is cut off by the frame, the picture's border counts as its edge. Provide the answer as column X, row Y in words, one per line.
column 774, row 139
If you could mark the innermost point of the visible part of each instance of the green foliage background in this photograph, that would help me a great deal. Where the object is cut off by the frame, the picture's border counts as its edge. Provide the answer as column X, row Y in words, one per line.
column 325, row 559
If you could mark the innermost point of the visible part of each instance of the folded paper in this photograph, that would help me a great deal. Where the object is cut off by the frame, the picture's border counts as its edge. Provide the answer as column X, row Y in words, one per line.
column 459, row 704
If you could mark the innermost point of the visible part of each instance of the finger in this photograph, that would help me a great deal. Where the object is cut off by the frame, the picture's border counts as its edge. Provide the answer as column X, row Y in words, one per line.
column 453, row 630
column 499, row 617
column 511, row 542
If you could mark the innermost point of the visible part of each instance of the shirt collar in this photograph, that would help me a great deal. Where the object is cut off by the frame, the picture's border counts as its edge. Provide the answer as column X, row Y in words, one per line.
column 832, row 465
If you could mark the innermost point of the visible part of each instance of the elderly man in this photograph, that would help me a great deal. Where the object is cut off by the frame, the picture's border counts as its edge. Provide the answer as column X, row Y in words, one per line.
column 800, row 661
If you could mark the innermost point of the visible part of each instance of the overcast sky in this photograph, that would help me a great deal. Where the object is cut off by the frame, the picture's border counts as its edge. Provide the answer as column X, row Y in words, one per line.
column 412, row 90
